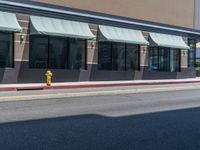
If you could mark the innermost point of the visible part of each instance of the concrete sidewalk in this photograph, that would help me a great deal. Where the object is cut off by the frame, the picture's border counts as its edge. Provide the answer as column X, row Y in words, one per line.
column 95, row 84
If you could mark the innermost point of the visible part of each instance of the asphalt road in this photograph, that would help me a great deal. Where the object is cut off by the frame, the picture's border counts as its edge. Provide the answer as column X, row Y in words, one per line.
column 162, row 117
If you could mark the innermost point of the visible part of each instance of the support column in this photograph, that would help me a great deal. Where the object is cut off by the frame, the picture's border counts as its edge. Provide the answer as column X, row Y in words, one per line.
column 143, row 57
column 184, row 59
column 92, row 52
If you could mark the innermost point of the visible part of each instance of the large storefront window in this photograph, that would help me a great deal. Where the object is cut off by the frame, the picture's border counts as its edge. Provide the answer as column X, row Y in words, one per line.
column 118, row 56
column 6, row 50
column 192, row 53
column 164, row 59
column 57, row 53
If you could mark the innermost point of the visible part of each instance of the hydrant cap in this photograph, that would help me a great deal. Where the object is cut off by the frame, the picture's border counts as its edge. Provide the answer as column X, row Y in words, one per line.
column 49, row 73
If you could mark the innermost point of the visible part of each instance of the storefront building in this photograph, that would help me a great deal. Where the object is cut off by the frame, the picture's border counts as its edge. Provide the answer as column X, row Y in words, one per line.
column 85, row 42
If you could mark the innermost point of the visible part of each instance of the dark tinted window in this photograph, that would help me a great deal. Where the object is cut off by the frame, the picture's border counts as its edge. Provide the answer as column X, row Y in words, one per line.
column 132, row 57
column 6, row 50
column 191, row 53
column 77, row 54
column 153, row 58
column 175, row 60
column 118, row 62
column 118, row 56
column 164, row 59
column 39, row 52
column 105, row 56
column 57, row 53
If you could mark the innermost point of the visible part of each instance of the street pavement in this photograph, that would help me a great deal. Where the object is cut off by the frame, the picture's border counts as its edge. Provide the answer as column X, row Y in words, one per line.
column 159, row 117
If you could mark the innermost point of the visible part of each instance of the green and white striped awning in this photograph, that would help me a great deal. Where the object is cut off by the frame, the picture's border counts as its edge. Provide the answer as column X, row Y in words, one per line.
column 9, row 23
column 122, row 35
column 60, row 27
column 166, row 40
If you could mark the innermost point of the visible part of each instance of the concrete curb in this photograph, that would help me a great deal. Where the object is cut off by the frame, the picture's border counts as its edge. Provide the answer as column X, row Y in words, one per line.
column 96, row 85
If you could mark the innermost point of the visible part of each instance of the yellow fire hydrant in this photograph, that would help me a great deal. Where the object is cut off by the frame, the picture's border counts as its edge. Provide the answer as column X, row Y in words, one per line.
column 49, row 75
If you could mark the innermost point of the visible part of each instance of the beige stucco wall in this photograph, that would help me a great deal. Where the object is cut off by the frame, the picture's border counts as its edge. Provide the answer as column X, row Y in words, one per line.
column 174, row 12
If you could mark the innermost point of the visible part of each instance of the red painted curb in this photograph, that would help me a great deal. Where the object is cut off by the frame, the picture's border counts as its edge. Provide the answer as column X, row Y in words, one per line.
column 114, row 85
column 8, row 89
column 89, row 85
